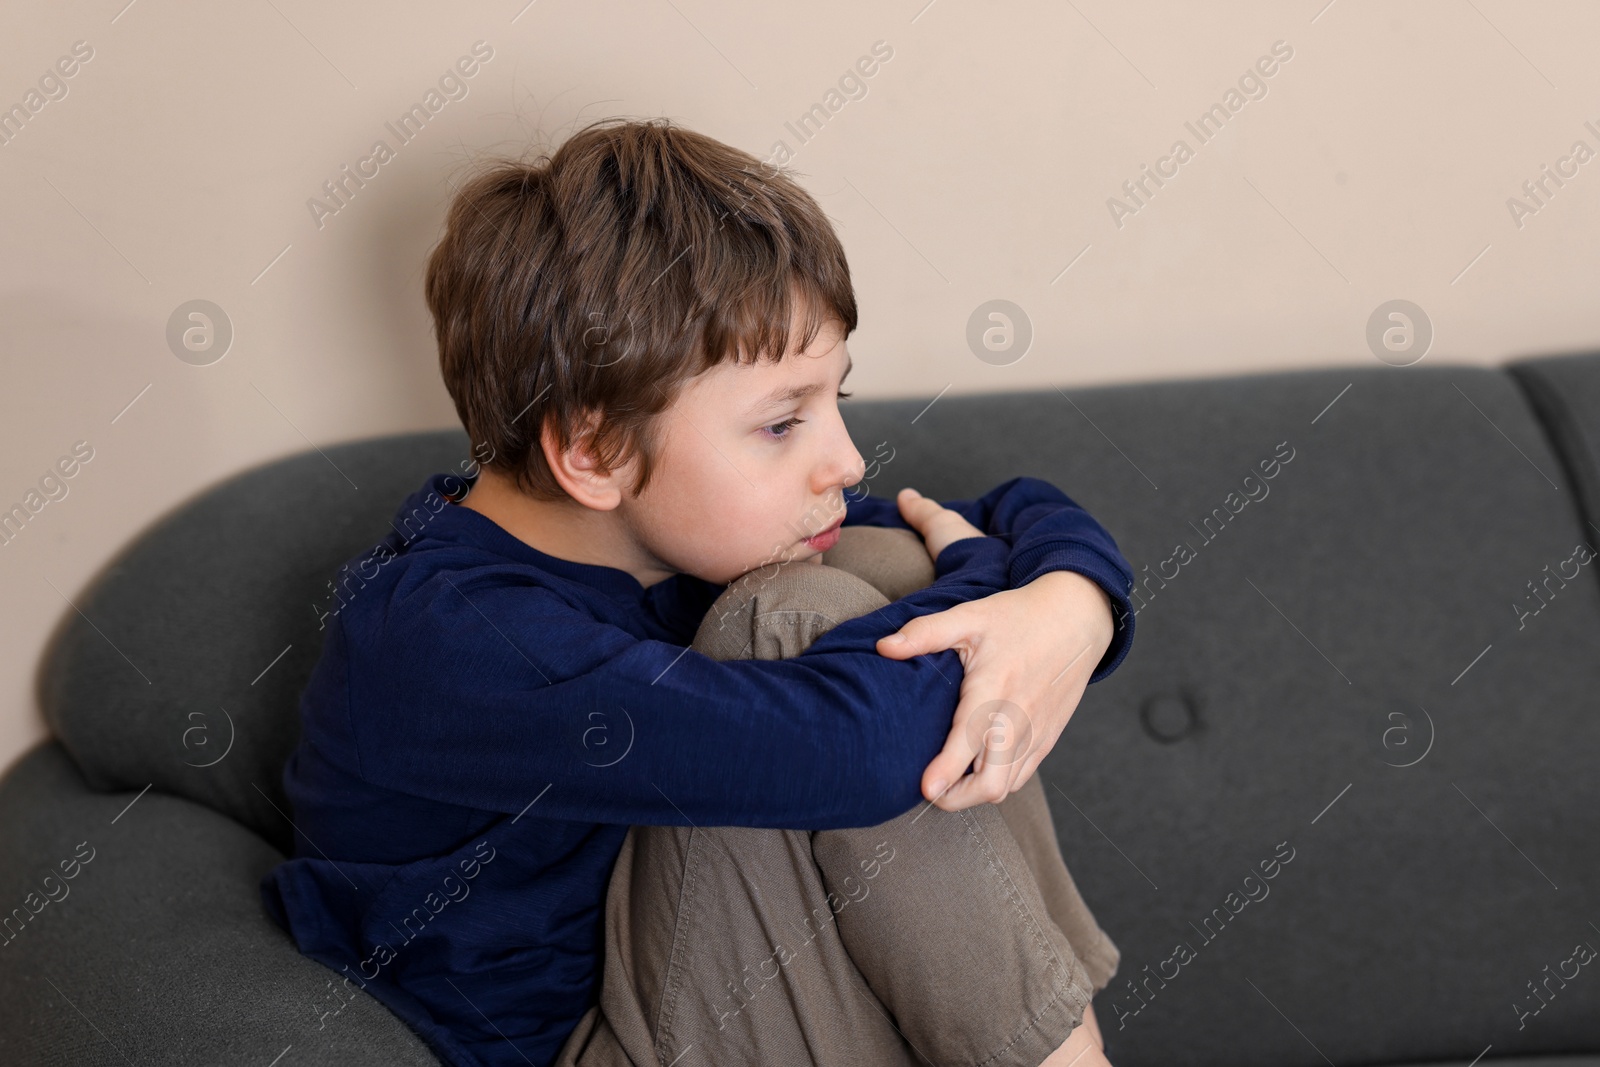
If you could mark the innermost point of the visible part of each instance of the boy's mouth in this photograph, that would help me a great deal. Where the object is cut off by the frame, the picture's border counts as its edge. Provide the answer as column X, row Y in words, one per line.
column 825, row 539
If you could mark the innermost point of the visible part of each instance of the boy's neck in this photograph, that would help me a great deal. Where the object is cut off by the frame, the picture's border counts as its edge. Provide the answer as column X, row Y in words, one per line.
column 564, row 529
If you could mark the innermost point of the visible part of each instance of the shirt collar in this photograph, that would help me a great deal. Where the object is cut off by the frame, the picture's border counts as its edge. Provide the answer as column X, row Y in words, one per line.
column 464, row 524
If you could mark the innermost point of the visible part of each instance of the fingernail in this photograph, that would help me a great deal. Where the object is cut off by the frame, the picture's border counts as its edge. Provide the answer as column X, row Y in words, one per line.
column 910, row 490
column 895, row 639
column 939, row 786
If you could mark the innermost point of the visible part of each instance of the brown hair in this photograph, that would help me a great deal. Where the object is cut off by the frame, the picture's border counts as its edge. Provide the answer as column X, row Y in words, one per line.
column 603, row 277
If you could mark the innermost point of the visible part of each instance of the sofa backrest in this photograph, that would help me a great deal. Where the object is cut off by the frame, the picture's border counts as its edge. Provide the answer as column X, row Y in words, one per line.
column 185, row 669
column 1337, row 803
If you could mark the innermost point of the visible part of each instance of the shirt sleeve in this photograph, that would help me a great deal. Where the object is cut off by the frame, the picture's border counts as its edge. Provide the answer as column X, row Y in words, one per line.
column 508, row 698
column 1046, row 531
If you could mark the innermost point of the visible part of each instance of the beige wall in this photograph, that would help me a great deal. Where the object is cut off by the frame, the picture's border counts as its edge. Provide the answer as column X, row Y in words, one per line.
column 977, row 165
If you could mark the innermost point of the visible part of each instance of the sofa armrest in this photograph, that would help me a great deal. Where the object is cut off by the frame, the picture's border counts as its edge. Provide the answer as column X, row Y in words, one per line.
column 132, row 931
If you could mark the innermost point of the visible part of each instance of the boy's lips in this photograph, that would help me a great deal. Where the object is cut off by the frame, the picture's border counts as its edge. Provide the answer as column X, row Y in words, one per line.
column 826, row 539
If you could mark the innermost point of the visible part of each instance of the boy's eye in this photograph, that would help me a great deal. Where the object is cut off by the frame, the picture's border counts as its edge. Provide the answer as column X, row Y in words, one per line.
column 778, row 431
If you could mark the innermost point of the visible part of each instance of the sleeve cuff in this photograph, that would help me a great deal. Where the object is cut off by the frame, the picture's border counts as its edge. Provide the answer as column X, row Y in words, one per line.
column 958, row 554
column 1081, row 559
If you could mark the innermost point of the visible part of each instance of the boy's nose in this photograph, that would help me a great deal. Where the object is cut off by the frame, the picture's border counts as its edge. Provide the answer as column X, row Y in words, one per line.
column 841, row 465
column 845, row 468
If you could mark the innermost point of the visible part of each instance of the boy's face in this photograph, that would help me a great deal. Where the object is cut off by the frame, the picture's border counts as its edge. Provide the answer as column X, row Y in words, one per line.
column 748, row 469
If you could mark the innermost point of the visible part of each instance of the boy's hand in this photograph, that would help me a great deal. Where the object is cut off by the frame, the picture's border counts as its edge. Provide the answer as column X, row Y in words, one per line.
column 937, row 524
column 1027, row 655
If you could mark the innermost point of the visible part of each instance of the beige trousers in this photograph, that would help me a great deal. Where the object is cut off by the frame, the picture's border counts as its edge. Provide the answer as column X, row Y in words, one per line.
column 936, row 937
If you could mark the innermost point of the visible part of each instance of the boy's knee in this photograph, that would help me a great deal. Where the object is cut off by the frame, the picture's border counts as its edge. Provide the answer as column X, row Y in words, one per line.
column 778, row 612
column 893, row 561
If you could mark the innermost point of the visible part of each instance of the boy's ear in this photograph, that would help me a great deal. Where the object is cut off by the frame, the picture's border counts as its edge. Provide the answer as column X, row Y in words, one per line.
column 578, row 471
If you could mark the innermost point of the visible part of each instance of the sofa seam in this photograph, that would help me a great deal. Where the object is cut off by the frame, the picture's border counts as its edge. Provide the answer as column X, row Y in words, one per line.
column 1564, row 434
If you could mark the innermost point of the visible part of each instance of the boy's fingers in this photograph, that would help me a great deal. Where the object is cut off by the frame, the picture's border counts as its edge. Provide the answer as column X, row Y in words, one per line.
column 996, row 738
column 924, row 634
column 942, row 781
column 917, row 509
column 989, row 785
column 922, row 511
column 937, row 525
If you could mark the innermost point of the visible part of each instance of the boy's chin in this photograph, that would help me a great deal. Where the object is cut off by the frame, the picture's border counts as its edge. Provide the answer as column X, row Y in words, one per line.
column 800, row 553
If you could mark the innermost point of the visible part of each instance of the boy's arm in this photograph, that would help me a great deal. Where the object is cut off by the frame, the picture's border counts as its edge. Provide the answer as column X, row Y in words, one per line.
column 487, row 694
column 1046, row 531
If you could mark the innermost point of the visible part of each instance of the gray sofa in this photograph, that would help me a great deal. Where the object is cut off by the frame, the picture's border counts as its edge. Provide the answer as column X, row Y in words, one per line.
column 1350, row 765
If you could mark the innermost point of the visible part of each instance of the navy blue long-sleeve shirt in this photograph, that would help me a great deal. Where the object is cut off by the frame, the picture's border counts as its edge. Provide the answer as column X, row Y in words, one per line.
column 486, row 721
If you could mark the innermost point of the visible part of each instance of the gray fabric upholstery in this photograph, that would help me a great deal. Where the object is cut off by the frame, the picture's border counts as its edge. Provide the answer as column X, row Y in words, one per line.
column 156, row 951
column 1392, row 545
column 1356, row 618
column 1522, row 1061
column 1565, row 392
column 185, row 621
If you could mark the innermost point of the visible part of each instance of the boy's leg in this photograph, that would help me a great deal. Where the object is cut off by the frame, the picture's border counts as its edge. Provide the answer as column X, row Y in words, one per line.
column 958, row 942
column 720, row 942
column 745, row 945
column 1027, row 816
column 896, row 562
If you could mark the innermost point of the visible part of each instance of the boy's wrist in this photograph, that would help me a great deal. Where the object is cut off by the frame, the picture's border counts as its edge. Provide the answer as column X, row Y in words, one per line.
column 1074, row 588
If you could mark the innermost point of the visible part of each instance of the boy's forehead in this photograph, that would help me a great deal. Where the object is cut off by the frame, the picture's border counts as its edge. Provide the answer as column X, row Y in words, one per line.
column 763, row 386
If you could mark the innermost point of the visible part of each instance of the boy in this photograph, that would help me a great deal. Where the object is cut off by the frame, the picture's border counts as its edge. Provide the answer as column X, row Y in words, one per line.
column 645, row 340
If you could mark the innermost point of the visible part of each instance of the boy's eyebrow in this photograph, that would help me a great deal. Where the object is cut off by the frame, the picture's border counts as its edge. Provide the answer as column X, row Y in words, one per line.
column 789, row 394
